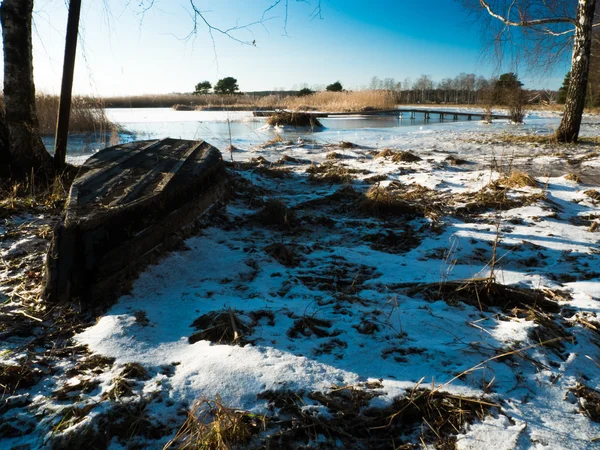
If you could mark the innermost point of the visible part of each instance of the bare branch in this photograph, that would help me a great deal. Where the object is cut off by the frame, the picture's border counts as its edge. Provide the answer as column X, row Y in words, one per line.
column 523, row 22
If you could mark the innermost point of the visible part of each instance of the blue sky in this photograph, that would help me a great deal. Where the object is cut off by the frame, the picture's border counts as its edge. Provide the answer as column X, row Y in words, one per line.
column 354, row 40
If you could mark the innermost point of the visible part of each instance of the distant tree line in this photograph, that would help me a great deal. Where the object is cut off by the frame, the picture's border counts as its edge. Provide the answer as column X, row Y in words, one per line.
column 465, row 88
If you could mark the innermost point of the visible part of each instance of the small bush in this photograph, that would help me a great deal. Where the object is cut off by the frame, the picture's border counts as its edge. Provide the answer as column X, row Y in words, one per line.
column 294, row 119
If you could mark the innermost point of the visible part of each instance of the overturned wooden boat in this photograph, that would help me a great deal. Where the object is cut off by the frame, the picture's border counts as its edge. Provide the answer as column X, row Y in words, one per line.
column 129, row 204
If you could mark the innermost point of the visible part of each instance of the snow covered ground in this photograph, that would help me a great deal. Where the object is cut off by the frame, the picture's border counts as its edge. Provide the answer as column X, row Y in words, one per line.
column 343, row 268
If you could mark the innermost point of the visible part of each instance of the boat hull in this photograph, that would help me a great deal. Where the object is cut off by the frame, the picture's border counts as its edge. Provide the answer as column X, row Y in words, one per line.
column 129, row 205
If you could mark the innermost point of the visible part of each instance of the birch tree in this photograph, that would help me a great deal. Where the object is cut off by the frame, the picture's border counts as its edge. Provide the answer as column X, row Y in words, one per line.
column 24, row 151
column 551, row 27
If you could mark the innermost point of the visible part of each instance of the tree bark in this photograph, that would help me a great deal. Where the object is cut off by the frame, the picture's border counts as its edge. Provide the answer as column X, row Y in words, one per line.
column 4, row 152
column 568, row 130
column 27, row 151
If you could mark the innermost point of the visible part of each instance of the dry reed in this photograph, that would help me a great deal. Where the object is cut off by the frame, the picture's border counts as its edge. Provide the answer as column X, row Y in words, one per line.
column 87, row 115
column 325, row 101
column 342, row 101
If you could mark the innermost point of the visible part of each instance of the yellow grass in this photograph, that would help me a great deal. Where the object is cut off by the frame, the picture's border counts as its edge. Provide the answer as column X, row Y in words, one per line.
column 342, row 101
column 87, row 115
column 244, row 101
column 325, row 101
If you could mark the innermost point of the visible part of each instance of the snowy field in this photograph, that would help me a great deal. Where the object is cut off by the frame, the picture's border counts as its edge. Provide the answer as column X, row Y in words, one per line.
column 353, row 276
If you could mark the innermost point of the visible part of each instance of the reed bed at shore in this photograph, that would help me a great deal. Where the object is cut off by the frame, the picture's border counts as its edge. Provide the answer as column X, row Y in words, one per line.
column 342, row 101
column 87, row 115
column 198, row 101
column 323, row 101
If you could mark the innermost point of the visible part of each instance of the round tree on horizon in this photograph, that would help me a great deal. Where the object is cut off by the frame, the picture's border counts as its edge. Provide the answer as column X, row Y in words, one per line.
column 335, row 87
column 227, row 85
column 202, row 88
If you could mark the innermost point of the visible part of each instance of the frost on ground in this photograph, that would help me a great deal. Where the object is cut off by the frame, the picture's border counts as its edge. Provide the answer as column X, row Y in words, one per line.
column 442, row 291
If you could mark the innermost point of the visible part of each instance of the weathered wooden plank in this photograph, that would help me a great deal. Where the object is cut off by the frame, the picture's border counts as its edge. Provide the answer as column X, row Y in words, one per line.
column 122, row 267
column 105, row 180
column 100, row 168
column 162, row 171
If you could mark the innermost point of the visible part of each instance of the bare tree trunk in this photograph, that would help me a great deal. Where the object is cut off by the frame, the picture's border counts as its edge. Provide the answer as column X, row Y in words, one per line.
column 27, row 152
column 568, row 130
column 4, row 152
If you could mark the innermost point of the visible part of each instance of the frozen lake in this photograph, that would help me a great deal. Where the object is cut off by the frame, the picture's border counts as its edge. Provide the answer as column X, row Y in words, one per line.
column 241, row 129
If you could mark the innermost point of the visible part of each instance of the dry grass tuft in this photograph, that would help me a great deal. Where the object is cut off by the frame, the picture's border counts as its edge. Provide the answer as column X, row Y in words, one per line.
column 334, row 155
column 210, row 425
column 223, row 327
column 346, row 145
column 400, row 199
column 329, row 172
column 120, row 388
column 28, row 195
column 589, row 401
column 518, row 179
column 20, row 376
column 294, row 119
column 275, row 213
column 453, row 160
column 134, row 371
column 385, row 153
column 407, row 157
column 285, row 254
column 277, row 140
column 593, row 194
column 572, row 177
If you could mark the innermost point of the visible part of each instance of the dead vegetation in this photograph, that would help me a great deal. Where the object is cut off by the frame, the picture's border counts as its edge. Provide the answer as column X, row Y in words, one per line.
column 429, row 417
column 285, row 254
column 572, row 177
column 212, row 425
column 294, row 119
column 311, row 326
column 400, row 199
column 589, row 401
column 518, row 179
column 495, row 197
column 455, row 161
column 593, row 194
column 398, row 156
column 342, row 101
column 275, row 213
column 87, row 115
column 21, row 376
column 484, row 293
column 330, row 172
column 394, row 240
column 220, row 327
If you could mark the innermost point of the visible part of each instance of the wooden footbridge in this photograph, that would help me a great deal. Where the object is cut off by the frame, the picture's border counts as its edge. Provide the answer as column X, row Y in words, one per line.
column 410, row 113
